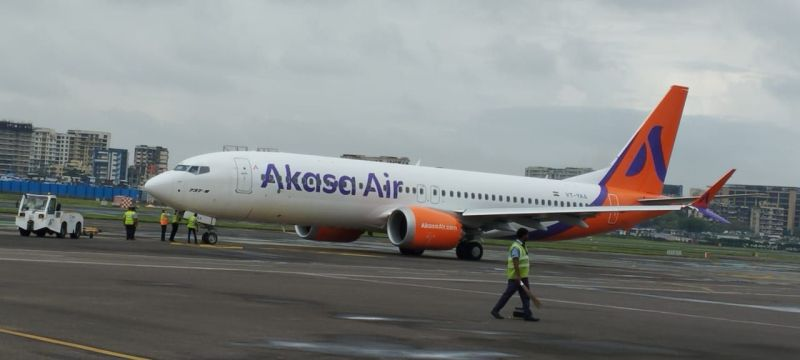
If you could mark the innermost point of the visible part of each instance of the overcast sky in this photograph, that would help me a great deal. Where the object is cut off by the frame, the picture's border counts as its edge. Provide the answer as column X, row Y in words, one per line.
column 478, row 85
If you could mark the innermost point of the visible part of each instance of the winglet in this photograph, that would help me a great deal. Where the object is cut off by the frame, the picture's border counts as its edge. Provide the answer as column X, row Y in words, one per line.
column 702, row 203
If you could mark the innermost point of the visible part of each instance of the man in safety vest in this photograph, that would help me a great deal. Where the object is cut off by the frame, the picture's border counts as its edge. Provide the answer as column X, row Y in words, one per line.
column 130, row 219
column 163, row 220
column 176, row 221
column 517, row 273
column 191, row 224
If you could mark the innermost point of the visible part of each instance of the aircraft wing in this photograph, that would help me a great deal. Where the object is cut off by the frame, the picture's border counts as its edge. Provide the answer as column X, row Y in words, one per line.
column 572, row 215
column 689, row 199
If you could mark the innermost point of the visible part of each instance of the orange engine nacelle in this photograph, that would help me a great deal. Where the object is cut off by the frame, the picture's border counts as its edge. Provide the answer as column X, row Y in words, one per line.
column 325, row 233
column 423, row 229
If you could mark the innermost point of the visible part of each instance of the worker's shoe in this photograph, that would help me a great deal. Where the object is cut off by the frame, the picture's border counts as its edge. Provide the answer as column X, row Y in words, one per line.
column 496, row 315
column 531, row 318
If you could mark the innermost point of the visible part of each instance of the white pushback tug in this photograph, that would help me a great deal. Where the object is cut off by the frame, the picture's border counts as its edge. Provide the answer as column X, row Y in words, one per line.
column 42, row 215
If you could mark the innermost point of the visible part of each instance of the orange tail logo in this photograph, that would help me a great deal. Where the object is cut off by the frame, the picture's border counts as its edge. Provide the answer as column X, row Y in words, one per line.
column 642, row 165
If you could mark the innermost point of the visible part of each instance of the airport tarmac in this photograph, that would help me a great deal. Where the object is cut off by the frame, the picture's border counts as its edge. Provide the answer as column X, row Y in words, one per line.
column 263, row 294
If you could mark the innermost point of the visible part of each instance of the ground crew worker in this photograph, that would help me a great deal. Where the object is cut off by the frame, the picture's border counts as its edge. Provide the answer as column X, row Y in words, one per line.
column 191, row 224
column 130, row 219
column 517, row 271
column 176, row 221
column 164, row 220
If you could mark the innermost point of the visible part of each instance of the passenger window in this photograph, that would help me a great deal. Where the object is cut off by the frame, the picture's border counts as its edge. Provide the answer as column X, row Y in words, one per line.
column 434, row 192
column 399, row 189
column 562, row 204
column 361, row 185
column 508, row 198
column 451, row 193
column 515, row 199
column 549, row 202
column 407, row 190
column 480, row 197
column 501, row 198
column 486, row 196
column 493, row 198
column 414, row 190
column 473, row 195
column 458, row 194
column 421, row 191
column 530, row 201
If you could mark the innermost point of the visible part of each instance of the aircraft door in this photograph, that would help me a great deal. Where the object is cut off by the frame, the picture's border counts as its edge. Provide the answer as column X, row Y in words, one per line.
column 421, row 197
column 244, row 178
column 613, row 200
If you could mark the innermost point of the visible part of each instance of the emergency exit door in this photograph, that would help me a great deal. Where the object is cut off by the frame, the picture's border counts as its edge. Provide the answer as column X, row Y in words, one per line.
column 244, row 177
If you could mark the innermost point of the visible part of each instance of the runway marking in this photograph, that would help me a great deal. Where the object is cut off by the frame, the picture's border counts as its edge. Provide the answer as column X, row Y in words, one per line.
column 788, row 309
column 328, row 251
column 70, row 344
column 208, row 246
column 361, row 278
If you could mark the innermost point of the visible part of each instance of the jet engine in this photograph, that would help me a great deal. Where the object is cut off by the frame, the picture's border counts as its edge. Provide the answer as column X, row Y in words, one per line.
column 327, row 233
column 415, row 229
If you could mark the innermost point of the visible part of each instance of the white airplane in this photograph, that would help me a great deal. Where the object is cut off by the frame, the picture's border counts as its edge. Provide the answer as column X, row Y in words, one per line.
column 423, row 208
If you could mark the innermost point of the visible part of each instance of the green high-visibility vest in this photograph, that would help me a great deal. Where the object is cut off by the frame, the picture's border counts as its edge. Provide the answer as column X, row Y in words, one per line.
column 524, row 261
column 192, row 223
column 175, row 218
column 129, row 217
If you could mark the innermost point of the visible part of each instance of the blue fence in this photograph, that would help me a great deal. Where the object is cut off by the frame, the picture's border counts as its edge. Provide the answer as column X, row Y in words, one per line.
column 82, row 191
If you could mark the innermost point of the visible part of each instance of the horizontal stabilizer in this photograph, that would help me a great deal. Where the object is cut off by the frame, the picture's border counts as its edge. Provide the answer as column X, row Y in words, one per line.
column 702, row 203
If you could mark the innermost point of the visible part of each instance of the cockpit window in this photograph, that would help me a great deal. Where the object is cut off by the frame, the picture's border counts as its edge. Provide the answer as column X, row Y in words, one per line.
column 193, row 169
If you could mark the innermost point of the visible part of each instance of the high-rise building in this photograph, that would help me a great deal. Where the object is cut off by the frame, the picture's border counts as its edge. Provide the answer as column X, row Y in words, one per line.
column 386, row 159
column 555, row 173
column 49, row 152
column 110, row 165
column 15, row 147
column 773, row 212
column 83, row 143
column 148, row 161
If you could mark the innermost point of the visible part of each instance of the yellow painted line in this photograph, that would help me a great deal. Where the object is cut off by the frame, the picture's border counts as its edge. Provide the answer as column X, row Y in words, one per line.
column 70, row 345
column 207, row 246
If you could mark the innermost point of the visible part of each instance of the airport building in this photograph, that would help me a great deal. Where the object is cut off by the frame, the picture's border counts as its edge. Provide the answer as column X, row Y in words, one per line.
column 83, row 143
column 110, row 166
column 15, row 147
column 148, row 161
column 774, row 212
column 386, row 159
column 555, row 173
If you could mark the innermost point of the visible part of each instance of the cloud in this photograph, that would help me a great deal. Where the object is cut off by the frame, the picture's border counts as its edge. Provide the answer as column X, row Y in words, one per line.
column 480, row 85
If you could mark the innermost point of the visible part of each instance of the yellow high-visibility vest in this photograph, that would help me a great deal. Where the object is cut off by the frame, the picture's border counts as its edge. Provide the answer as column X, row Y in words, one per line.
column 524, row 261
column 129, row 217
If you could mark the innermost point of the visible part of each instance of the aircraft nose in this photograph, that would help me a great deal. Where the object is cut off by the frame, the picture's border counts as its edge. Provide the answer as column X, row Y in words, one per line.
column 159, row 186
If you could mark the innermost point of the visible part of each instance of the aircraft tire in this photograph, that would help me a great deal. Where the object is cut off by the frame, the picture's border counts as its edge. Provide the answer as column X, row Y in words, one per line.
column 24, row 232
column 473, row 251
column 212, row 238
column 460, row 250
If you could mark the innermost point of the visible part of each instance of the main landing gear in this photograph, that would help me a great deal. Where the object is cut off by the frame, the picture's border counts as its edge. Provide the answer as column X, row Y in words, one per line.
column 469, row 250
